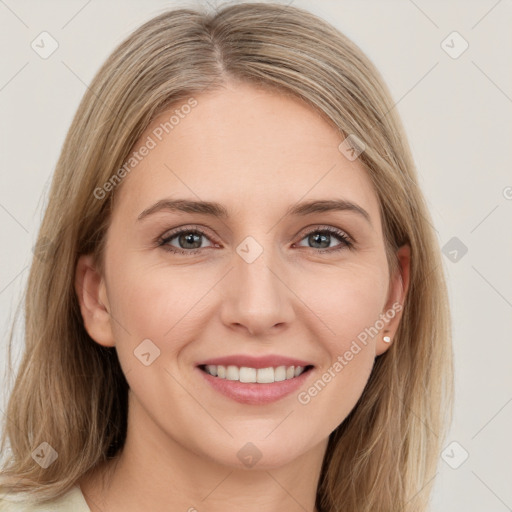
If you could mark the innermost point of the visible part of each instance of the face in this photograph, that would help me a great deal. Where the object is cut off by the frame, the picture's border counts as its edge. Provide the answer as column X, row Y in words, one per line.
column 272, row 277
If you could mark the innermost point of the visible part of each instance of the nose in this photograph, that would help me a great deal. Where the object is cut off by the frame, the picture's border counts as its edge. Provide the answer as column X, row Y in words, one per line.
column 257, row 298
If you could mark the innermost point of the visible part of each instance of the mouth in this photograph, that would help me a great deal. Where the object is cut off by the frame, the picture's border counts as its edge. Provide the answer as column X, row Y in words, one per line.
column 250, row 375
column 255, row 386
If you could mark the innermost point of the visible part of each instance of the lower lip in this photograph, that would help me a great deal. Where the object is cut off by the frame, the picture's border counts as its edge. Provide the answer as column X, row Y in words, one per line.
column 254, row 393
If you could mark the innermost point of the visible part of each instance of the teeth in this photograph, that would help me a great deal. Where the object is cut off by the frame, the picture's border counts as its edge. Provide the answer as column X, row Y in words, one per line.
column 211, row 369
column 232, row 373
column 280, row 373
column 248, row 374
column 260, row 375
column 265, row 375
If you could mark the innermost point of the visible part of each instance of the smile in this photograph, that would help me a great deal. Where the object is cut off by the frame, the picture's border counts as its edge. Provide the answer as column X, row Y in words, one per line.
column 255, row 386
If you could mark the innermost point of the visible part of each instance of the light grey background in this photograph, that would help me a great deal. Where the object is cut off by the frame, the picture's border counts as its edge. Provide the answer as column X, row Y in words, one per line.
column 458, row 116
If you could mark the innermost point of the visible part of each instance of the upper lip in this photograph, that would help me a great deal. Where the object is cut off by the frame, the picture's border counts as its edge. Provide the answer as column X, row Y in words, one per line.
column 255, row 362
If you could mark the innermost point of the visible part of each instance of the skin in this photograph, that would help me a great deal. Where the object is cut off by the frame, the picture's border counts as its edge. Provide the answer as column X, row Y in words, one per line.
column 257, row 153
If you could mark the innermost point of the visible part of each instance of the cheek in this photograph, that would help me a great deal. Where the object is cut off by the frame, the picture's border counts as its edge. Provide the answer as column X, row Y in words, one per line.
column 157, row 302
column 347, row 306
column 345, row 300
column 162, row 305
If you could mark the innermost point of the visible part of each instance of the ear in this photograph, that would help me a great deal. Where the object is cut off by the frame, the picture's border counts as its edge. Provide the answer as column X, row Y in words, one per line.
column 92, row 297
column 398, row 286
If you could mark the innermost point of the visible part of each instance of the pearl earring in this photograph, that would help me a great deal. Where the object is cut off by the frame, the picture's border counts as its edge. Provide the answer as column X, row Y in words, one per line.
column 386, row 339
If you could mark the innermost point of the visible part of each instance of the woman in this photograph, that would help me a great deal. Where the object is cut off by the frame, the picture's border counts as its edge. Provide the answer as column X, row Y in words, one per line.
column 241, row 301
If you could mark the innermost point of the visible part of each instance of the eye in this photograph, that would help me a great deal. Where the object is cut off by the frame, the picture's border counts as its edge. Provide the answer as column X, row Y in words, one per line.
column 324, row 236
column 189, row 241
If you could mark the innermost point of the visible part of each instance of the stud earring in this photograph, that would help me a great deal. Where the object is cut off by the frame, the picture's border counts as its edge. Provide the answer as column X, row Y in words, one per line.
column 386, row 339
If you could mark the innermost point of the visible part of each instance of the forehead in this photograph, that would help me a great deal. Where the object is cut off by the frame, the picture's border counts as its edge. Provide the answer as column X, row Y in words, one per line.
column 250, row 149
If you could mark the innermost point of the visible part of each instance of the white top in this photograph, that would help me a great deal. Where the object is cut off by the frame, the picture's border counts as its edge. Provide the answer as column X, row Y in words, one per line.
column 71, row 501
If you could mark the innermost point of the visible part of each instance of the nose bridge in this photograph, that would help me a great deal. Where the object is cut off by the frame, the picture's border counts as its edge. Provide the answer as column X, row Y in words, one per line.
column 257, row 296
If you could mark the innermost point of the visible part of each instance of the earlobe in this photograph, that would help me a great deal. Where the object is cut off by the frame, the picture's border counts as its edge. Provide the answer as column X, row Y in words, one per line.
column 91, row 293
column 399, row 285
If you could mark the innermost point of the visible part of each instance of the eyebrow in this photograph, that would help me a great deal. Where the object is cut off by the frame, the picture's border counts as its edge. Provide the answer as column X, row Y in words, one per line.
column 217, row 210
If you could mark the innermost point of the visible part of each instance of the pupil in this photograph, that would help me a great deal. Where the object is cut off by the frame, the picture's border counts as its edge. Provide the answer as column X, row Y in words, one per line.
column 318, row 238
column 189, row 238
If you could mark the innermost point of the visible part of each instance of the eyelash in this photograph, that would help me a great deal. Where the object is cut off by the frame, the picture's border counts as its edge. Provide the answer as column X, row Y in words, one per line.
column 346, row 241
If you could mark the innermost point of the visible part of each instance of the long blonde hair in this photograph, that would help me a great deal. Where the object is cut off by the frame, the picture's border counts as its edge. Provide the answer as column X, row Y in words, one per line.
column 71, row 392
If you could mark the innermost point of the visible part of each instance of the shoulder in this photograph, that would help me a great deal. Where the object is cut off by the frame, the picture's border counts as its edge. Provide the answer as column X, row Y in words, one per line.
column 73, row 500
